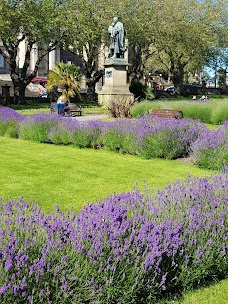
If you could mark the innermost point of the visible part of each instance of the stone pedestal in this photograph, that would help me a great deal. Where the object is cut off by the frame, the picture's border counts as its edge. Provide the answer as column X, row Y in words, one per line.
column 115, row 81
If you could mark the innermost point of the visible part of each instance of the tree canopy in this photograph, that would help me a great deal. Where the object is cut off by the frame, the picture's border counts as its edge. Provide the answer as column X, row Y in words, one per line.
column 29, row 24
column 176, row 36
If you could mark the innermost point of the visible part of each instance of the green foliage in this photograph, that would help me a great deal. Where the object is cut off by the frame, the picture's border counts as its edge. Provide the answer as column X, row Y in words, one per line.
column 60, row 135
column 67, row 176
column 137, row 88
column 113, row 140
column 219, row 113
column 214, row 111
column 36, row 129
column 197, row 110
column 66, row 77
column 141, row 108
column 163, row 144
column 213, row 159
column 9, row 129
column 176, row 37
column 81, row 138
column 35, row 24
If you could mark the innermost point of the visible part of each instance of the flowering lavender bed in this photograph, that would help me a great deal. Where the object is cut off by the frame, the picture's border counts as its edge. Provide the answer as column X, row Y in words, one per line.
column 128, row 248
column 210, row 150
column 147, row 137
column 10, row 122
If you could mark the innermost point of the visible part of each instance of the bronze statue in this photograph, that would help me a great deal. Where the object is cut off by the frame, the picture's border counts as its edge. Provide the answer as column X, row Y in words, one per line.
column 117, row 36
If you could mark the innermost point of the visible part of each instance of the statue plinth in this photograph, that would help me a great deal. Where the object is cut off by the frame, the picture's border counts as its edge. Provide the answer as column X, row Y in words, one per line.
column 115, row 82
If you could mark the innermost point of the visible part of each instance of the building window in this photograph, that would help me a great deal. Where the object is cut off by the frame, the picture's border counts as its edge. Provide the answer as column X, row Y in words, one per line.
column 2, row 61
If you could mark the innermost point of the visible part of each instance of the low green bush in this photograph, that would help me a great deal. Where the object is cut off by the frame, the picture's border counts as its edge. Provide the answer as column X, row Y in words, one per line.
column 210, row 150
column 37, row 127
column 60, row 135
column 9, row 128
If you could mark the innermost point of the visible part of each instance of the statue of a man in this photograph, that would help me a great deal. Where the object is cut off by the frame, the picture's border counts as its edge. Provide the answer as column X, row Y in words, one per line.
column 117, row 35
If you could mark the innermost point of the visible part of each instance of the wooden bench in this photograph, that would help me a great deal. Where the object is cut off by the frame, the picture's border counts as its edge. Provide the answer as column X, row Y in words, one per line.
column 74, row 110
column 167, row 113
column 71, row 110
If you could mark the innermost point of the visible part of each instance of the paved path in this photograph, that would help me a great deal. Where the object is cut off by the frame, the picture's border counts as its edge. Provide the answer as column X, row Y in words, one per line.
column 88, row 117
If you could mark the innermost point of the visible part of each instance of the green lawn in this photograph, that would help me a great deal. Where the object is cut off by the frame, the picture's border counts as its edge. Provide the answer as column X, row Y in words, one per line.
column 64, row 175
column 214, row 294
column 35, row 108
column 68, row 176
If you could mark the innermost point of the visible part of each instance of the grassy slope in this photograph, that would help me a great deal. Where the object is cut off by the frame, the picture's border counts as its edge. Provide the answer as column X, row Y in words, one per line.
column 67, row 176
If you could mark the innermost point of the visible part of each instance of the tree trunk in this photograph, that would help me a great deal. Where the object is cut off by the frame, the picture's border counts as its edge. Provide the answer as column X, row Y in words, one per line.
column 91, row 81
column 91, row 94
column 177, row 77
column 136, row 70
column 19, row 92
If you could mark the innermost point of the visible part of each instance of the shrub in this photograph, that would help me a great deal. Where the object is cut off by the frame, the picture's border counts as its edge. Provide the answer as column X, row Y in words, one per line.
column 119, row 106
column 210, row 150
column 9, row 122
column 87, row 135
column 137, row 88
column 146, row 136
column 128, row 248
column 61, row 133
column 168, row 139
column 37, row 127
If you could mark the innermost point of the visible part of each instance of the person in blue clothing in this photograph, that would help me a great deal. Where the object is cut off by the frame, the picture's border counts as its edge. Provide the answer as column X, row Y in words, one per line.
column 60, row 106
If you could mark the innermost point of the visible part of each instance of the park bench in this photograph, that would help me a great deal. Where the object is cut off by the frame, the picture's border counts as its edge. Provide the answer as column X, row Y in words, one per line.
column 72, row 109
column 167, row 113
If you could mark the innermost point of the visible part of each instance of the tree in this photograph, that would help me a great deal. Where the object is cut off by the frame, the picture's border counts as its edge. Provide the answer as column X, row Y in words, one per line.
column 31, row 24
column 185, row 32
column 139, row 25
column 65, row 77
column 88, row 23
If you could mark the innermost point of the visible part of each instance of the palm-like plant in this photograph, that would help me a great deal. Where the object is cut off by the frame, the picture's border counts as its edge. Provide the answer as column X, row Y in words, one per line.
column 66, row 77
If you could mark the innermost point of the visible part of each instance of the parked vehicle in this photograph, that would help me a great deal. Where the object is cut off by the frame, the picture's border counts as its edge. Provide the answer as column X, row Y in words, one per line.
column 169, row 89
column 43, row 95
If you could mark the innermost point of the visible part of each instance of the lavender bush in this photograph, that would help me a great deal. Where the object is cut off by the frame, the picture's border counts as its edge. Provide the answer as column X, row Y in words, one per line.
column 87, row 134
column 210, row 150
column 128, row 248
column 10, row 122
column 61, row 133
column 37, row 127
column 147, row 136
column 153, row 137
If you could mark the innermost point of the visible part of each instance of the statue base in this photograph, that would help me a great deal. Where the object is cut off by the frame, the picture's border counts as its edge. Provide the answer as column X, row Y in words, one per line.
column 115, row 81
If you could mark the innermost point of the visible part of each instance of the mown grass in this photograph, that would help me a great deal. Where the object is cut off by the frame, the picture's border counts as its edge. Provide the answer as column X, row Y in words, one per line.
column 214, row 294
column 36, row 108
column 67, row 176
column 64, row 175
